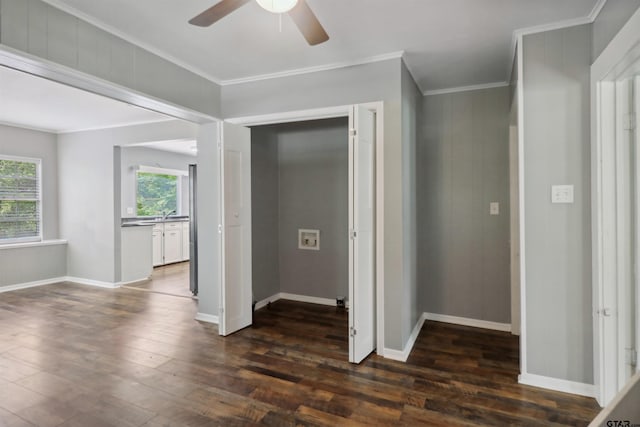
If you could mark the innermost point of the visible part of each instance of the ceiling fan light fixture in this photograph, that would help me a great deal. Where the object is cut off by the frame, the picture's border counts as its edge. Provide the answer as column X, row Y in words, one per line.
column 277, row 6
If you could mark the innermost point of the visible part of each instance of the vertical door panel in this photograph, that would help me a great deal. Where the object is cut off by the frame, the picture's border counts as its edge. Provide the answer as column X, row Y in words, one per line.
column 362, row 242
column 635, row 316
column 236, row 229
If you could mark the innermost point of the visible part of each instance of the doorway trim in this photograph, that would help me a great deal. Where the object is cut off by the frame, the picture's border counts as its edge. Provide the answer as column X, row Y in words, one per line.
column 49, row 70
column 343, row 111
column 621, row 53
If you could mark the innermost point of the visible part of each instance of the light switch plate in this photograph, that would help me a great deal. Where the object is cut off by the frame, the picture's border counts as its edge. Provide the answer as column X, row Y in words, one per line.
column 562, row 194
column 494, row 208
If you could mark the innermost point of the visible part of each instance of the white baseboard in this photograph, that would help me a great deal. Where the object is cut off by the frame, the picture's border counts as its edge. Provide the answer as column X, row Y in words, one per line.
column 131, row 282
column 557, row 384
column 91, row 282
column 263, row 303
column 76, row 280
column 304, row 298
column 403, row 355
column 463, row 321
column 208, row 318
column 44, row 282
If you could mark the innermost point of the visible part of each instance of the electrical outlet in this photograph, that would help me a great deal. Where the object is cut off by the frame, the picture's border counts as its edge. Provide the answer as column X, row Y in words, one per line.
column 562, row 194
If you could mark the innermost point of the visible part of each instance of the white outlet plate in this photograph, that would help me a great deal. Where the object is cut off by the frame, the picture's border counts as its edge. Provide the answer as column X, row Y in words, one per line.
column 562, row 194
column 494, row 208
column 309, row 239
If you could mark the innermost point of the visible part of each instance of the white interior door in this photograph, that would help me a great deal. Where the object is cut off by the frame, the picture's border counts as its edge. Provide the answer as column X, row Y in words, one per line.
column 235, row 295
column 362, row 329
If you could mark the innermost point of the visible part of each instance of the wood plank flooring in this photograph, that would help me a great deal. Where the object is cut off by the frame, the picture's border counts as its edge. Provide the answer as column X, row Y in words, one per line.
column 172, row 279
column 73, row 355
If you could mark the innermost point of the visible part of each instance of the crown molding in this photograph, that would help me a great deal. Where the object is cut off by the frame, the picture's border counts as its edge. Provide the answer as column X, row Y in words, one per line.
column 27, row 127
column 597, row 8
column 465, row 88
column 517, row 34
column 413, row 74
column 314, row 69
column 126, row 37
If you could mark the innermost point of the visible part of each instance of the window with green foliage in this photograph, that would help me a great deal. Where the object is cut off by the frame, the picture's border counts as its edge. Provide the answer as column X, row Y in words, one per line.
column 19, row 199
column 157, row 194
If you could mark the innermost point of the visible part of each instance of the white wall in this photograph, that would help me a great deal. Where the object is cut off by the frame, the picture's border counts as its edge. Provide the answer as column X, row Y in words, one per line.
column 90, row 193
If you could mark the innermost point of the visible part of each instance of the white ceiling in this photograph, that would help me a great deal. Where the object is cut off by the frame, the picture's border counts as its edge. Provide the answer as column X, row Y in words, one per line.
column 447, row 43
column 37, row 103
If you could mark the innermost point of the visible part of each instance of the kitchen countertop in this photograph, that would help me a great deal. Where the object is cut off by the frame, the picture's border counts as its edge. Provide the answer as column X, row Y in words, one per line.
column 141, row 222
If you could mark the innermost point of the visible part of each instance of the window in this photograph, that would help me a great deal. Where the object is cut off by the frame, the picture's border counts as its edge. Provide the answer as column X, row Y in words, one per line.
column 20, row 200
column 158, row 193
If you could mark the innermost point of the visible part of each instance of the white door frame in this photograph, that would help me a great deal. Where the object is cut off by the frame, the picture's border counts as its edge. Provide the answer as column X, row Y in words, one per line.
column 343, row 111
column 622, row 53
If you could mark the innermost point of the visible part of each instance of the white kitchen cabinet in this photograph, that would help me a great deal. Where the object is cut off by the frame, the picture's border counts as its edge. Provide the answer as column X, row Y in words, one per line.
column 185, row 241
column 172, row 242
column 157, row 239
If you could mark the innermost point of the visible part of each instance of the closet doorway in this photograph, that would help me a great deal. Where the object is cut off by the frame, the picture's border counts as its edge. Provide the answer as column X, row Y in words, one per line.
column 354, row 254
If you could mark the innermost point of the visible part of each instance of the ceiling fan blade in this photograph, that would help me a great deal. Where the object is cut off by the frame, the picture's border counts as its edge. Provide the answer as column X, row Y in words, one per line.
column 217, row 12
column 308, row 24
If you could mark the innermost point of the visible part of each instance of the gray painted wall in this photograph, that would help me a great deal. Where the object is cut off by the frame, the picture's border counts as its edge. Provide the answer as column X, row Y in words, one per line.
column 39, row 29
column 557, row 236
column 135, row 156
column 380, row 81
column 301, row 172
column 411, row 110
column 313, row 159
column 31, row 264
column 612, row 17
column 265, row 201
column 208, row 219
column 16, row 141
column 463, row 165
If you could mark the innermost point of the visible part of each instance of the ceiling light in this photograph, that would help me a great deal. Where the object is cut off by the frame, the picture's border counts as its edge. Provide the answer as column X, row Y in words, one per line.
column 277, row 6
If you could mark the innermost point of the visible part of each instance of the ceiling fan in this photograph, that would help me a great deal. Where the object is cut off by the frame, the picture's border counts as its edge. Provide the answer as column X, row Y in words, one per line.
column 298, row 10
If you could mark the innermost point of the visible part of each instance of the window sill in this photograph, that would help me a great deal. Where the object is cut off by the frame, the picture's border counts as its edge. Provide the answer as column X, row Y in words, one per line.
column 32, row 244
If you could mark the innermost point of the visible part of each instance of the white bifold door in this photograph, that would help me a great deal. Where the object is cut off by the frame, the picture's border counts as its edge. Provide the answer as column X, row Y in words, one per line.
column 362, row 330
column 235, row 288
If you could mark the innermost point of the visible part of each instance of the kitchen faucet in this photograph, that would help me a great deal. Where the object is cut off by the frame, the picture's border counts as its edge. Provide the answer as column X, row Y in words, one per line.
column 164, row 216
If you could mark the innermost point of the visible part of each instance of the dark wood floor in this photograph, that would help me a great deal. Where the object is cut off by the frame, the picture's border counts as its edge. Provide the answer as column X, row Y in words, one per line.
column 72, row 355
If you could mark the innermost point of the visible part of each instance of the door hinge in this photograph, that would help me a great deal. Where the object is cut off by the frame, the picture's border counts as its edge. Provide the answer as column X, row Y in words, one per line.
column 606, row 312
column 219, row 145
column 352, row 332
column 352, row 234
column 632, row 357
column 219, row 228
column 221, row 311
column 353, row 132
column 629, row 121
